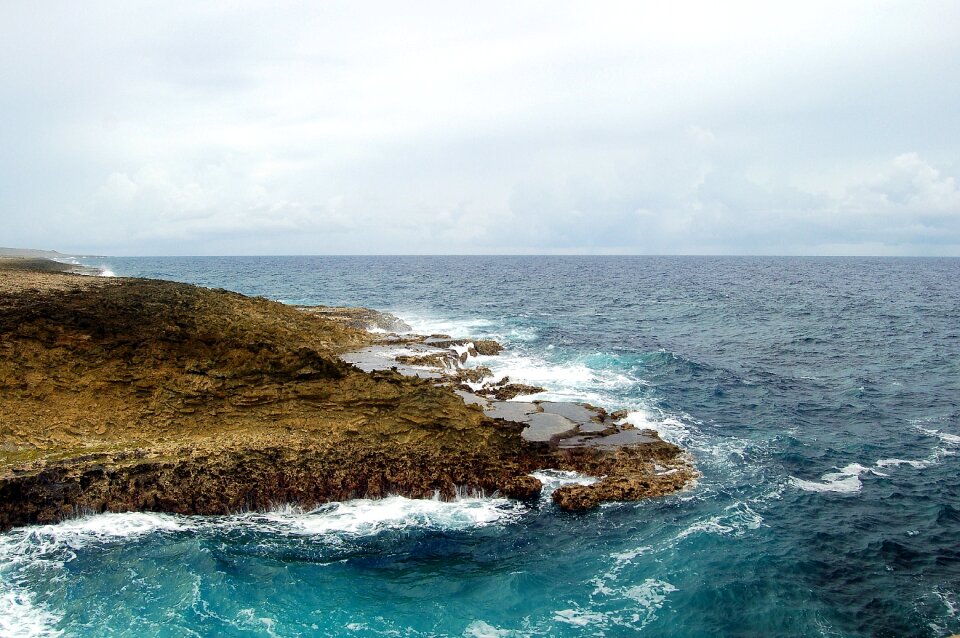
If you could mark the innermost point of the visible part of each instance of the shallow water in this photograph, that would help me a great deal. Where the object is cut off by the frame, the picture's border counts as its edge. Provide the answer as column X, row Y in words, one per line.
column 821, row 398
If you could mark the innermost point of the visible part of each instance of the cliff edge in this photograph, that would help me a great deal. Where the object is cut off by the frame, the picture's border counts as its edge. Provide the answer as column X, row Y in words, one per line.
column 132, row 394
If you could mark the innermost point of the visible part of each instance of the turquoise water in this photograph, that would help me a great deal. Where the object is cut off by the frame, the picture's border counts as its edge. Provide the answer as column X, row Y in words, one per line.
column 820, row 397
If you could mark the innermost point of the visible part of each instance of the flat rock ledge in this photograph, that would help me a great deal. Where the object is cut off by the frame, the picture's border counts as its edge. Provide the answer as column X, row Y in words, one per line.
column 130, row 394
column 631, row 463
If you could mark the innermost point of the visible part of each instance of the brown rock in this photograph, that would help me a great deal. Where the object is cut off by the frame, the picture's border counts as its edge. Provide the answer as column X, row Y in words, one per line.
column 432, row 360
column 473, row 375
column 487, row 347
column 131, row 394
column 521, row 487
column 509, row 391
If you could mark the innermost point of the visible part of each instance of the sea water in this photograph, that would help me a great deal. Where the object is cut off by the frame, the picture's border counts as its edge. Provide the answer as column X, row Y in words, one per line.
column 819, row 396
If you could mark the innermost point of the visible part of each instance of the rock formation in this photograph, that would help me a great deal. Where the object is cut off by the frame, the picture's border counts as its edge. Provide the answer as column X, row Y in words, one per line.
column 131, row 394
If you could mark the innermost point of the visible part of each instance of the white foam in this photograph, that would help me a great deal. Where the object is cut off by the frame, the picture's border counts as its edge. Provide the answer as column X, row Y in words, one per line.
column 482, row 629
column 949, row 601
column 367, row 517
column 106, row 272
column 79, row 532
column 844, row 481
column 51, row 546
column 847, row 480
column 669, row 428
column 646, row 599
column 898, row 462
column 21, row 618
column 736, row 520
column 580, row 617
column 951, row 440
column 651, row 593
column 555, row 479
column 949, row 445
column 402, row 351
column 247, row 619
column 363, row 517
column 463, row 351
column 577, row 380
column 573, row 381
column 426, row 324
column 603, row 584
column 626, row 557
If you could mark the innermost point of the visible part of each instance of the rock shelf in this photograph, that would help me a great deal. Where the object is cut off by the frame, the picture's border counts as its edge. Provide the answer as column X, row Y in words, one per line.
column 124, row 394
column 561, row 424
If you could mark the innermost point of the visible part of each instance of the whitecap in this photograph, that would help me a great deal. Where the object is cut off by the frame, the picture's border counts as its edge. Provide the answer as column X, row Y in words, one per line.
column 948, row 448
column 580, row 617
column 367, row 517
column 651, row 593
column 426, row 324
column 951, row 440
column 51, row 546
column 20, row 617
column 844, row 481
column 603, row 583
column 76, row 533
column 575, row 380
column 736, row 520
column 482, row 629
column 898, row 462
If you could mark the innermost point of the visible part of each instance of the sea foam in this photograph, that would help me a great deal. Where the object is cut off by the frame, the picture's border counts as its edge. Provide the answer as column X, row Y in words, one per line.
column 46, row 547
column 847, row 480
column 844, row 481
column 367, row 517
column 20, row 617
column 49, row 547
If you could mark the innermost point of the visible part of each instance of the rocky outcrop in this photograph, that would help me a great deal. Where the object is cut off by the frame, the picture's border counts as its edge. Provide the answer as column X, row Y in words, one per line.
column 132, row 394
column 360, row 318
column 504, row 390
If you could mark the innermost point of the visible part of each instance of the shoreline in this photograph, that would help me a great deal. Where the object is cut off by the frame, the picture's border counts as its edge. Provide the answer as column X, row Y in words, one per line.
column 134, row 394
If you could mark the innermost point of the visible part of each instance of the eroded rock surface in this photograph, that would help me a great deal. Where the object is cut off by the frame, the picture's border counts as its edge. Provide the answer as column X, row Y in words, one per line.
column 360, row 318
column 571, row 429
column 131, row 394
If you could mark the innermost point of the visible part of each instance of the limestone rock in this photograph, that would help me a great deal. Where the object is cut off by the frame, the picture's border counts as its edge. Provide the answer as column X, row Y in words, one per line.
column 133, row 394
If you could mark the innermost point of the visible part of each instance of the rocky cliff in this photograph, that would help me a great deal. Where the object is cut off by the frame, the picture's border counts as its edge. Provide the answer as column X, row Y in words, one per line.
column 131, row 394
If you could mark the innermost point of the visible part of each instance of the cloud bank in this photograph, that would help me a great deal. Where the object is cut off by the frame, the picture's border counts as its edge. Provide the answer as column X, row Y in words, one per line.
column 360, row 127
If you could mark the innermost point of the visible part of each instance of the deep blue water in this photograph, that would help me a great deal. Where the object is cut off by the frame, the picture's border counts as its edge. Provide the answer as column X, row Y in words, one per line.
column 819, row 396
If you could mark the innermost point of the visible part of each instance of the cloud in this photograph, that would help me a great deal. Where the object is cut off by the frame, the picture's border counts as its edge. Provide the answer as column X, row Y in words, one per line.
column 541, row 127
column 910, row 184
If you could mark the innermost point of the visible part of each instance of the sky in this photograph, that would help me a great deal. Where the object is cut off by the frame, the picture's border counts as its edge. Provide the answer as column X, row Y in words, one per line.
column 223, row 128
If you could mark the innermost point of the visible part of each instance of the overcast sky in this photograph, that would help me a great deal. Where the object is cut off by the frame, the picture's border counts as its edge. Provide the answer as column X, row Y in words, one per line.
column 135, row 128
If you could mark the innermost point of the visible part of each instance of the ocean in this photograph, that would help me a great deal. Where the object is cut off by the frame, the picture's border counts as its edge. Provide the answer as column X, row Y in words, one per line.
column 820, row 398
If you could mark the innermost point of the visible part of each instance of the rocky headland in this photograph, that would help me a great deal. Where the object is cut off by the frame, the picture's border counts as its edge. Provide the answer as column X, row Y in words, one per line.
column 122, row 394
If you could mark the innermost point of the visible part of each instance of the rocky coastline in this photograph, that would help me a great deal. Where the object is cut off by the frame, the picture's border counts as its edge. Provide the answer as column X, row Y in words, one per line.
column 122, row 394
